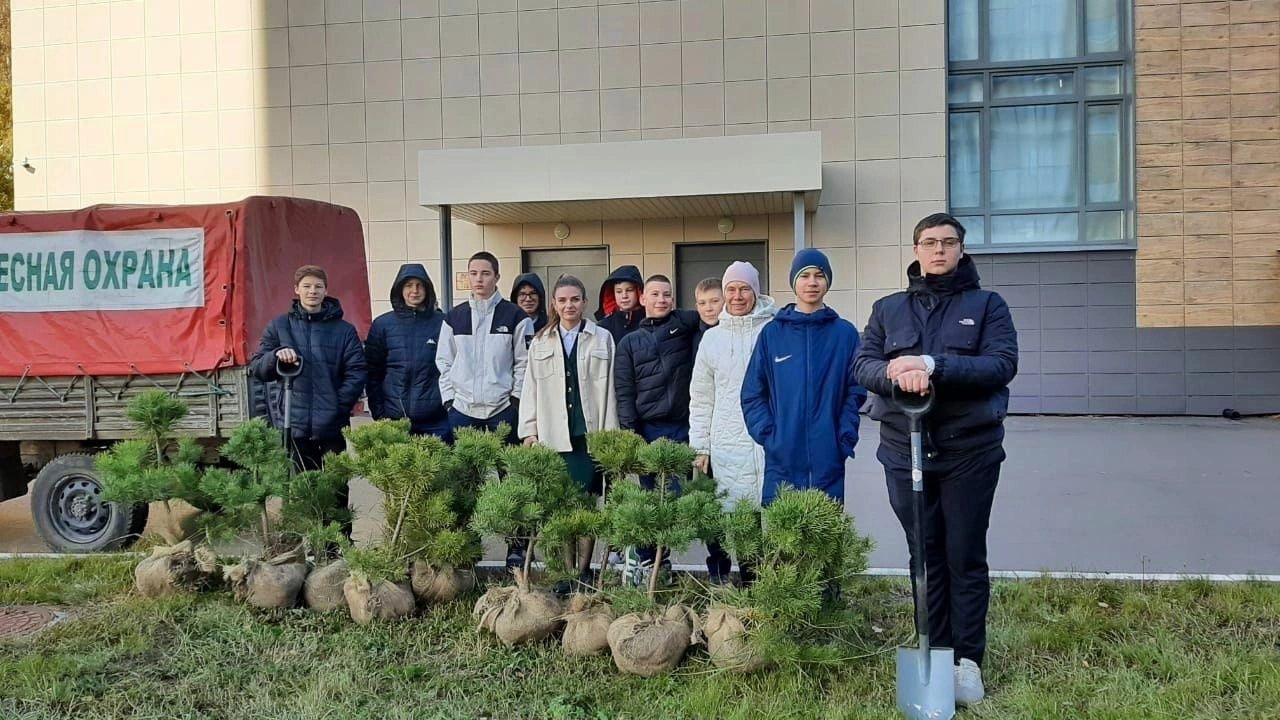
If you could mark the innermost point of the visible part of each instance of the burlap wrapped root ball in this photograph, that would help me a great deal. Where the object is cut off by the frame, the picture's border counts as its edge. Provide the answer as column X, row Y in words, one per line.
column 173, row 569
column 728, row 640
column 440, row 585
column 273, row 584
column 649, row 644
column 518, row 616
column 586, row 626
column 382, row 600
column 323, row 589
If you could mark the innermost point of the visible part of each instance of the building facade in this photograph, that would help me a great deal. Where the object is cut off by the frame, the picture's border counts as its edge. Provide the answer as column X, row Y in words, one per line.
column 1117, row 164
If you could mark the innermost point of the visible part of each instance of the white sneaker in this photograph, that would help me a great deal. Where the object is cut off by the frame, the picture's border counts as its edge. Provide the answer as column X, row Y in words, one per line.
column 969, row 690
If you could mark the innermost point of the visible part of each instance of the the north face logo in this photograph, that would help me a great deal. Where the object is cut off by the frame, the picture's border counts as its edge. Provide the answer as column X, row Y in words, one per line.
column 502, row 329
column 432, row 341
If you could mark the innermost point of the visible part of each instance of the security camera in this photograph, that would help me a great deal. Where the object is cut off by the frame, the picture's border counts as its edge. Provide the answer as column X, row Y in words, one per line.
column 26, row 165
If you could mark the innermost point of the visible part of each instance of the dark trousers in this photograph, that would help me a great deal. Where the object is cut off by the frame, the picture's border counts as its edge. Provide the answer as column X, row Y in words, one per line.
column 510, row 416
column 308, row 454
column 651, row 431
column 441, row 428
column 957, row 511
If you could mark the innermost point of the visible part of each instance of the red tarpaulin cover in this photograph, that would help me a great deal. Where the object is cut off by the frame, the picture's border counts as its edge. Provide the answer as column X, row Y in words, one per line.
column 251, row 250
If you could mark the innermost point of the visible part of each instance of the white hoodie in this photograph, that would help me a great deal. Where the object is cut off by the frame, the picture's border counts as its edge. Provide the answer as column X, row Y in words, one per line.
column 716, row 426
column 482, row 371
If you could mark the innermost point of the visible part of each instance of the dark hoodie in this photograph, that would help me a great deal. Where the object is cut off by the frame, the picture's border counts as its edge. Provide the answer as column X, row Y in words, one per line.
column 969, row 334
column 535, row 282
column 619, row 324
column 333, row 369
column 403, row 379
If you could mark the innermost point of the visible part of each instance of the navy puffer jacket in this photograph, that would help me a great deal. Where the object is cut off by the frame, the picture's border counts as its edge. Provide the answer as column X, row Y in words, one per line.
column 653, row 368
column 401, row 349
column 333, row 368
column 970, row 335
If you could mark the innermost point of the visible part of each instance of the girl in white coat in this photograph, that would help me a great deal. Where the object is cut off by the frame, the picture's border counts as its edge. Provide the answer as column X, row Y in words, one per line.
column 568, row 392
column 717, row 431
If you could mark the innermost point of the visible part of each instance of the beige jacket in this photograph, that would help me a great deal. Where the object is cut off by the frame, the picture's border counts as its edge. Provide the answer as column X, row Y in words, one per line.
column 542, row 403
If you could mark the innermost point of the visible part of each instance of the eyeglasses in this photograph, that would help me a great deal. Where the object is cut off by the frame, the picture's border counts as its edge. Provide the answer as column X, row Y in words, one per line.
column 527, row 296
column 932, row 243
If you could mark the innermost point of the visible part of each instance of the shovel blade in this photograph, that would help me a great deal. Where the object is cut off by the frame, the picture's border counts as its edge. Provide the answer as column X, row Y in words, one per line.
column 926, row 698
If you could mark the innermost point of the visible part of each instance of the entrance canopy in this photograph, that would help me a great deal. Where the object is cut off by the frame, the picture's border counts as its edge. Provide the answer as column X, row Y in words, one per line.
column 736, row 175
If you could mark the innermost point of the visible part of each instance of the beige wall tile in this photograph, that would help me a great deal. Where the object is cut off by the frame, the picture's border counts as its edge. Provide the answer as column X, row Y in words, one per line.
column 924, row 178
column 388, row 241
column 384, row 80
column 928, row 134
column 876, row 93
column 923, row 91
column 702, row 62
column 63, row 178
column 459, row 35
column 702, row 19
column 499, row 33
column 274, row 126
column 837, row 183
column 310, row 125
column 420, row 38
column 877, row 181
column 386, row 201
column 538, row 30
column 619, row 25
column 130, row 173
column 500, row 115
column 237, row 168
column 30, row 102
column 744, row 59
column 832, row 227
column 234, row 50
column 197, row 167
column 164, row 170
column 923, row 47
column 875, row 50
column 348, row 163
column 235, row 129
column 746, row 102
column 660, row 22
column 28, row 65
column 578, row 28
column 308, row 85
column 235, row 89
column 704, row 104
column 93, row 60
column 921, row 12
column 96, row 137
column 877, row 137
column 306, row 12
column 579, row 69
column 879, row 268
column 62, row 137
column 384, row 120
column 270, row 48
column 786, row 17
column 539, row 72
column 499, row 74
column 875, row 14
column 199, row 92
column 539, row 113
column 837, row 139
column 352, row 195
column 460, row 76
column 386, row 161
column 827, row 15
column 620, row 67
column 129, row 95
column 96, row 176
column 660, row 64
column 832, row 53
column 60, row 102
column 660, row 107
column 461, row 117
column 744, row 18
column 345, row 42
column 306, row 45
column 832, row 96
column 458, row 7
column 789, row 99
column 787, row 56
column 620, row 109
column 580, row 111
column 878, row 224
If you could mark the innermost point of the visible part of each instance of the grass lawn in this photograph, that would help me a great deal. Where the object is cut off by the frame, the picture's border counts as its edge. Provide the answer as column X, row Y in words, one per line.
column 1058, row 650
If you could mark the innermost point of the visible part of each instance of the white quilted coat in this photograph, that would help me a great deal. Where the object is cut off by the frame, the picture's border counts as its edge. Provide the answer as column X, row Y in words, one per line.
column 716, row 427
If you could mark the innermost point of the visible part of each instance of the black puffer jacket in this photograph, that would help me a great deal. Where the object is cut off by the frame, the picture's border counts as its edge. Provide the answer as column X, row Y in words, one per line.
column 401, row 349
column 652, row 370
column 333, row 368
column 617, row 322
column 969, row 333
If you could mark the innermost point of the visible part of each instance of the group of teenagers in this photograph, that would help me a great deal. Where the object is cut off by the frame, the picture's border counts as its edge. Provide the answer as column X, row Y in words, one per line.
column 767, row 397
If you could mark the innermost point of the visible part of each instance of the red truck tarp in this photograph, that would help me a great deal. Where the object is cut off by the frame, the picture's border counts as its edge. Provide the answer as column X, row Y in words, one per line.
column 58, row 270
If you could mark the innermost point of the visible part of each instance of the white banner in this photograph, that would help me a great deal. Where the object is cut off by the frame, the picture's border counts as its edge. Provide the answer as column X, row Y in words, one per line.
column 102, row 270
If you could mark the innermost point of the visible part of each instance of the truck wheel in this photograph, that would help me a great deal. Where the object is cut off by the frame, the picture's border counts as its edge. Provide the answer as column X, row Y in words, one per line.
column 67, row 510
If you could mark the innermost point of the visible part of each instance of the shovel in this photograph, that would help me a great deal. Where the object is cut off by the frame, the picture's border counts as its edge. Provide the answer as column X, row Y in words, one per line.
column 287, row 372
column 926, row 678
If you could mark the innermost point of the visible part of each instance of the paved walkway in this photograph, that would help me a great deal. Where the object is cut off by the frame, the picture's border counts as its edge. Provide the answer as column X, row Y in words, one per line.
column 1133, row 495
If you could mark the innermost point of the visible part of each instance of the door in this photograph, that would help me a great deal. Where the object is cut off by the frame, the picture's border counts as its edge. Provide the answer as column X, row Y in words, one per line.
column 590, row 265
column 694, row 262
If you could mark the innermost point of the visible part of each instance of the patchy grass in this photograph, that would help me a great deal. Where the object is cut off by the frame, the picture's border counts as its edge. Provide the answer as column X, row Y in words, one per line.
column 64, row 581
column 1058, row 650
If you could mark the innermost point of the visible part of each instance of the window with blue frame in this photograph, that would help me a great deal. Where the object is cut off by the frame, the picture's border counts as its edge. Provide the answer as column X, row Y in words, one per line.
column 1040, row 138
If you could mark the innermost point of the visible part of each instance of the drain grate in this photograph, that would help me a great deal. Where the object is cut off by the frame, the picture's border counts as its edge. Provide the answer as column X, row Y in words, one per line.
column 24, row 621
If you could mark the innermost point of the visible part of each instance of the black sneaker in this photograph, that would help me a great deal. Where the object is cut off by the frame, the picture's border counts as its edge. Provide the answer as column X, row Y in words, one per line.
column 515, row 556
column 563, row 588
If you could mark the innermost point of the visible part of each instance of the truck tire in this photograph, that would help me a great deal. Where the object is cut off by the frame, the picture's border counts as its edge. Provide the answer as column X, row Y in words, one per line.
column 68, row 514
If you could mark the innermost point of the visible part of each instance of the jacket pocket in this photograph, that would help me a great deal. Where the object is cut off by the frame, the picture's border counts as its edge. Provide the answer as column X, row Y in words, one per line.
column 961, row 339
column 543, row 363
column 899, row 342
column 599, row 363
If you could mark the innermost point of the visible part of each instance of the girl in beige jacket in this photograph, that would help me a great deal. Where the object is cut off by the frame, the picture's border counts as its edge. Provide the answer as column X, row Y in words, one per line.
column 568, row 392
